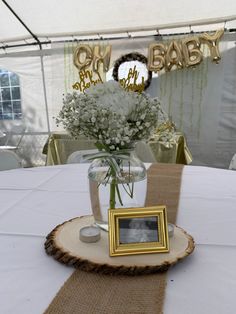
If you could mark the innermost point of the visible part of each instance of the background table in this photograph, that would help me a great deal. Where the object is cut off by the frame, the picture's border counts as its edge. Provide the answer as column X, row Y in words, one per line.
column 61, row 145
column 35, row 200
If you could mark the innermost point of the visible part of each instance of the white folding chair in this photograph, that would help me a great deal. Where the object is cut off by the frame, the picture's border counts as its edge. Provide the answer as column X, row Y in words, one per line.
column 232, row 165
column 9, row 160
column 2, row 134
column 144, row 152
column 77, row 157
column 17, row 131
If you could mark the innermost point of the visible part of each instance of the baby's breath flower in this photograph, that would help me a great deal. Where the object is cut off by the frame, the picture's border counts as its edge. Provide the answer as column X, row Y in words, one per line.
column 112, row 116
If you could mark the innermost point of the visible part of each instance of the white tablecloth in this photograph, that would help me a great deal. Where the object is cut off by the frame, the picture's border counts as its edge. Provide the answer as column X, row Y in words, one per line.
column 35, row 200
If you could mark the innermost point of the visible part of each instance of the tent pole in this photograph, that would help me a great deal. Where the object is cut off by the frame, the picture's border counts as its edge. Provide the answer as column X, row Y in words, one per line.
column 49, row 42
column 20, row 20
column 121, row 31
column 41, row 58
column 44, row 89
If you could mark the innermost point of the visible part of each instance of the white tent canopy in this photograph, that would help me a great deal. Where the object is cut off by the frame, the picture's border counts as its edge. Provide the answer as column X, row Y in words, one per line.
column 52, row 19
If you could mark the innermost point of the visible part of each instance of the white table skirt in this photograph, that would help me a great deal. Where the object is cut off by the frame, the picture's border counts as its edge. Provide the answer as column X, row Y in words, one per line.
column 35, row 200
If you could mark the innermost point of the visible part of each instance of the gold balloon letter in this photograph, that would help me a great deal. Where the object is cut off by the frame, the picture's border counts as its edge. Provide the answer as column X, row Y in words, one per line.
column 103, row 57
column 156, row 57
column 213, row 43
column 86, row 51
column 173, row 56
column 191, row 51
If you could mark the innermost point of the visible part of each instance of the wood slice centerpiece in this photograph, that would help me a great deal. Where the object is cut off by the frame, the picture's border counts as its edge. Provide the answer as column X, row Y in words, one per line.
column 63, row 243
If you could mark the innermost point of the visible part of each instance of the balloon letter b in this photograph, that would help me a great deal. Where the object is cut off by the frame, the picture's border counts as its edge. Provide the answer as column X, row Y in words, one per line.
column 191, row 51
column 156, row 57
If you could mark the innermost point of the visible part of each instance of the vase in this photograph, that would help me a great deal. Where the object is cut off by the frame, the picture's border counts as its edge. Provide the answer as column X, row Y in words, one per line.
column 125, row 188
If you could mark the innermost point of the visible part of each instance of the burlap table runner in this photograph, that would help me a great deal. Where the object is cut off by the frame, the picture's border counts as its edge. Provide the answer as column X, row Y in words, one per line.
column 86, row 293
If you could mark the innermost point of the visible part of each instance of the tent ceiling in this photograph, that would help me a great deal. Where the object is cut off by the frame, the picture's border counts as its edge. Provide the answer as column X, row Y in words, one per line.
column 47, row 19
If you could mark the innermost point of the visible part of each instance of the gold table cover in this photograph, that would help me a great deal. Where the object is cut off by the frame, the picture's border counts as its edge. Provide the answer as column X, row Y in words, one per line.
column 60, row 145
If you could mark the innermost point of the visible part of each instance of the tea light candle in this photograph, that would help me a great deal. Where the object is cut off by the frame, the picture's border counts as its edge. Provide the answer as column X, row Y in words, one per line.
column 171, row 230
column 89, row 234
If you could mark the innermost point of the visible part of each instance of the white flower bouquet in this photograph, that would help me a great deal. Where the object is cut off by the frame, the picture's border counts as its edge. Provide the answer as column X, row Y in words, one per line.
column 113, row 117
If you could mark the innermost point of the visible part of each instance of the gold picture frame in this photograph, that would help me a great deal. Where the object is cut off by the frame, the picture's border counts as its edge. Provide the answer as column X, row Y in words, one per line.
column 140, row 230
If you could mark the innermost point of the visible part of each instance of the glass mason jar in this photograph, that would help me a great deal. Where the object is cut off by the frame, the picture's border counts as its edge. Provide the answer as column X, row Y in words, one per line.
column 122, row 186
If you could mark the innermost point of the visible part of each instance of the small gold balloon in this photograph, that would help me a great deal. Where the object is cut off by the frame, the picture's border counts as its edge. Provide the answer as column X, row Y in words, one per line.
column 156, row 57
column 87, row 52
column 192, row 54
column 173, row 56
column 101, row 57
column 212, row 40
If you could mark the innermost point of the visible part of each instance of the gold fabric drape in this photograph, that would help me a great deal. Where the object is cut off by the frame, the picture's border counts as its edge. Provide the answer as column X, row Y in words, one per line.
column 61, row 145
